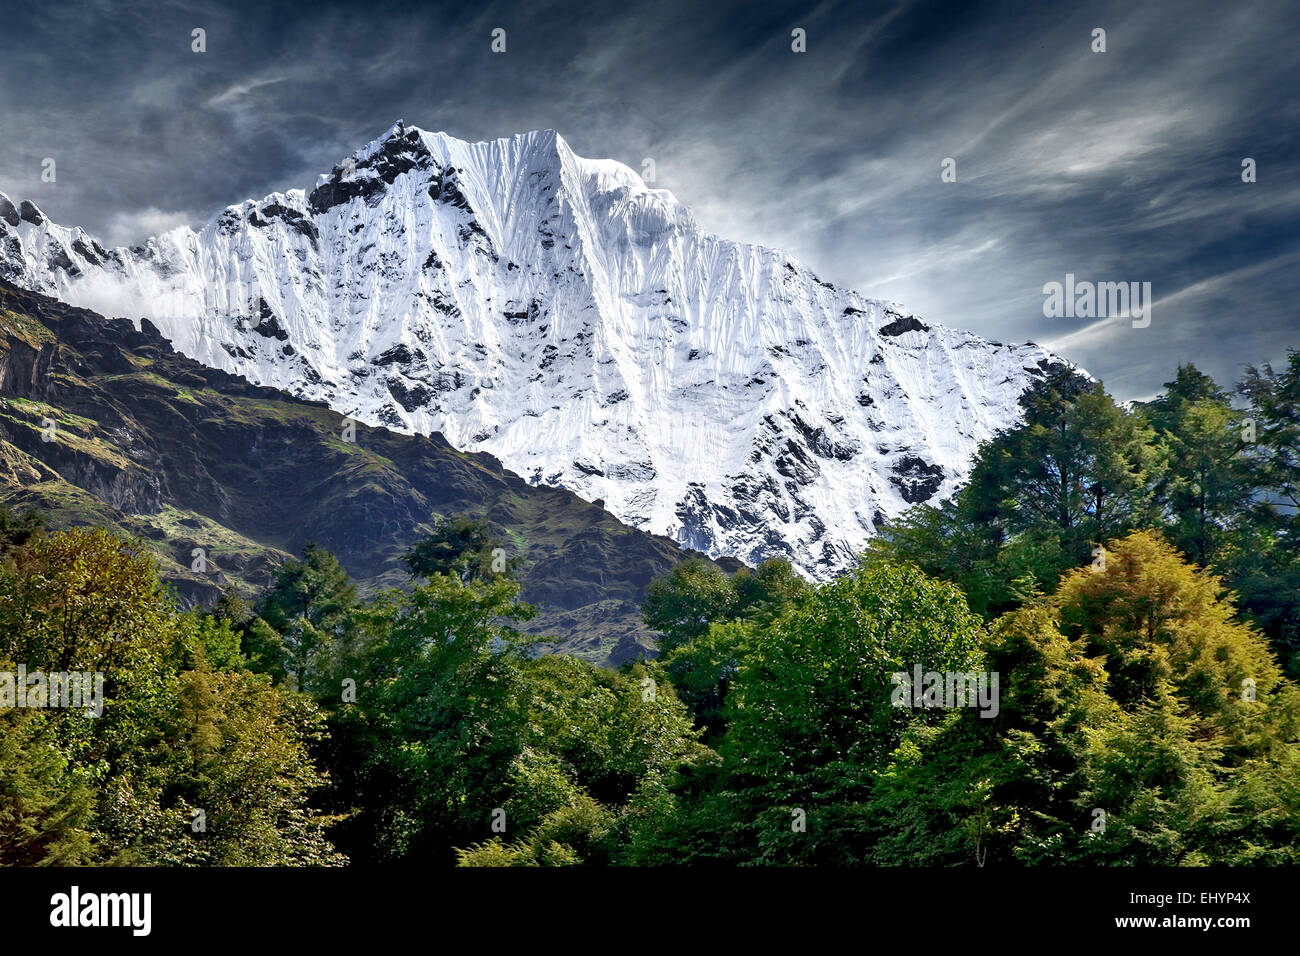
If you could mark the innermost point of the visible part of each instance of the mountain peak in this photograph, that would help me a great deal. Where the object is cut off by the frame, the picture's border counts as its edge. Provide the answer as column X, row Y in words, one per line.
column 8, row 212
column 26, row 211
column 576, row 323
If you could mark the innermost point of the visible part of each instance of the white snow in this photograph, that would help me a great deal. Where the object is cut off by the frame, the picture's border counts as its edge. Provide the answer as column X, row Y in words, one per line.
column 581, row 327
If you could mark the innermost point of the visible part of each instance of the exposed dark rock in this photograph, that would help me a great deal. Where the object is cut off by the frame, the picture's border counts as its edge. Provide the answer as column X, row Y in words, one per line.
column 822, row 442
column 904, row 323
column 795, row 463
column 296, row 220
column 444, row 305
column 61, row 260
column 389, row 415
column 91, row 251
column 410, row 397
column 445, row 187
column 28, row 212
column 697, row 513
column 470, row 231
column 399, row 354
column 400, row 153
column 228, row 223
column 916, row 479
column 268, row 325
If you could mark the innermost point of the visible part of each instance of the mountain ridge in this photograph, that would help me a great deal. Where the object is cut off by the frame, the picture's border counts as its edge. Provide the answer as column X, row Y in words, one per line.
column 558, row 313
column 106, row 425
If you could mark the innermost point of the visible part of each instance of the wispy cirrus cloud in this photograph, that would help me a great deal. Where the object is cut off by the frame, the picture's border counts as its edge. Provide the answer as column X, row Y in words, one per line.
column 237, row 91
column 1123, row 165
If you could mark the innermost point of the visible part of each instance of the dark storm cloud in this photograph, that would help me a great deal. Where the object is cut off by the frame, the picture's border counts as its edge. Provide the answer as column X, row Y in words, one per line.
column 1123, row 165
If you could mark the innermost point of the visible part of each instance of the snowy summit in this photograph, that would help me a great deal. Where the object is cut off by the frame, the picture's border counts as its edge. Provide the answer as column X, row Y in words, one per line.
column 558, row 313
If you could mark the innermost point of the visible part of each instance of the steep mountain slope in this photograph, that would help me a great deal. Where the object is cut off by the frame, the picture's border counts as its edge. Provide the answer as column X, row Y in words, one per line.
column 581, row 327
column 102, row 424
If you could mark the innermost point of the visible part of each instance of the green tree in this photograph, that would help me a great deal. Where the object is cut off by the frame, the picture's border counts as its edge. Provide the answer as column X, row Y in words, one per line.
column 812, row 719
column 17, row 531
column 609, row 729
column 46, row 801
column 683, row 603
column 703, row 670
column 996, row 790
column 462, row 547
column 706, row 618
column 1079, row 465
column 1041, row 495
column 435, row 739
column 176, row 732
column 1140, row 722
column 306, row 610
column 1209, row 485
column 1169, row 635
column 1265, row 570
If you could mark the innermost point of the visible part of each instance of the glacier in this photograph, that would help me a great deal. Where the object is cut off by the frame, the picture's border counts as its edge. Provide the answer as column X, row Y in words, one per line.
column 561, row 315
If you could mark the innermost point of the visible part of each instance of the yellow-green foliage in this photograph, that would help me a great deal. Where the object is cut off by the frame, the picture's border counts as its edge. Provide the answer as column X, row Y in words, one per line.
column 1167, row 628
column 181, row 724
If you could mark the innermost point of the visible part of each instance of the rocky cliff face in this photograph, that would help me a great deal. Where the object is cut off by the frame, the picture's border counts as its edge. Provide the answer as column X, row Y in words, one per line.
column 581, row 327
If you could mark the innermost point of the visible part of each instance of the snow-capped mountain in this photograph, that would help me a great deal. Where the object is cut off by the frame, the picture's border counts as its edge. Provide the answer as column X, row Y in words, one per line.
column 581, row 327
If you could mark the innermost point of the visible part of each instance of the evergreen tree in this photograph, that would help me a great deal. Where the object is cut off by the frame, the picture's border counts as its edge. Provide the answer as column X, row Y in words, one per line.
column 1210, row 483
column 1265, row 569
column 306, row 610
column 1041, row 496
column 462, row 547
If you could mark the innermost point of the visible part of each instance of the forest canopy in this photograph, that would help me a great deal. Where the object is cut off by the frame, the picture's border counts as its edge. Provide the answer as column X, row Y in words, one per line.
column 1128, row 575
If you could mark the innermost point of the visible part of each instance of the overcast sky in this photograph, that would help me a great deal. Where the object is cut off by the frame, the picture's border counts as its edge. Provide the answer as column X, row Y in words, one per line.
column 1117, row 166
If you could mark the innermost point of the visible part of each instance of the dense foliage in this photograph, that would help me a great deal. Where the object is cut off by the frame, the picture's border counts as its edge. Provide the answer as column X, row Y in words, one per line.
column 1219, row 482
column 194, row 758
column 1120, row 584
